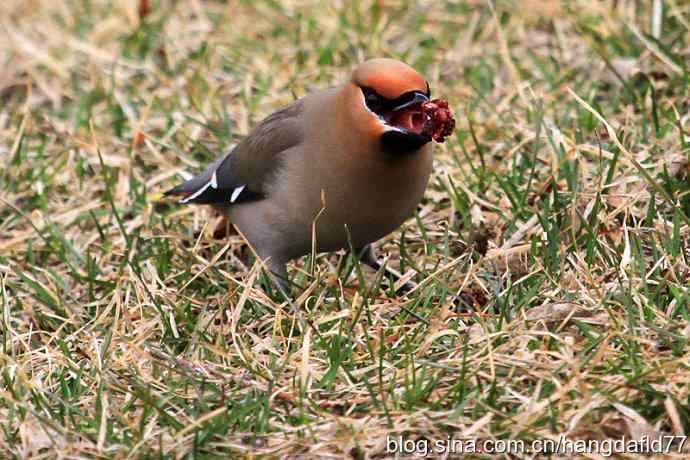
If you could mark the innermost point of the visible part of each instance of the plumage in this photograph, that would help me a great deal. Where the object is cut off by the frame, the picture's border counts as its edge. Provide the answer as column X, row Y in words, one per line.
column 389, row 77
column 350, row 162
column 248, row 165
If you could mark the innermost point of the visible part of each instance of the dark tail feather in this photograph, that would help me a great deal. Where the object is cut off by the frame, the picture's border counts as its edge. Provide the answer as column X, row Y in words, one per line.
column 190, row 186
column 160, row 202
column 180, row 190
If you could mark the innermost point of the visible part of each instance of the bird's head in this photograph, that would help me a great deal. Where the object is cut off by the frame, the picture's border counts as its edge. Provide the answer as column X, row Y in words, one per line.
column 387, row 96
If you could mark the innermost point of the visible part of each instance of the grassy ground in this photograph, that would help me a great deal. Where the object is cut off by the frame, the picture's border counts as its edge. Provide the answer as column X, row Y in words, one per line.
column 551, row 248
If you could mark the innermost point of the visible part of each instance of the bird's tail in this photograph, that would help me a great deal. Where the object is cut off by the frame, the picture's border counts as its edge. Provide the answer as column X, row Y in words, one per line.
column 196, row 183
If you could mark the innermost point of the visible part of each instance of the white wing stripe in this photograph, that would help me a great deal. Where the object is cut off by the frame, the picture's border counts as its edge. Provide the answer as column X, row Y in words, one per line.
column 213, row 183
column 236, row 193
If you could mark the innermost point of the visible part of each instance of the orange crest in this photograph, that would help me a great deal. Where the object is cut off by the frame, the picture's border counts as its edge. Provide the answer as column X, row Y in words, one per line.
column 388, row 77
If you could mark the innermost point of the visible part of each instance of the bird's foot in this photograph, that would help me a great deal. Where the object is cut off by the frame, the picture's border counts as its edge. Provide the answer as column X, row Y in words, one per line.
column 368, row 256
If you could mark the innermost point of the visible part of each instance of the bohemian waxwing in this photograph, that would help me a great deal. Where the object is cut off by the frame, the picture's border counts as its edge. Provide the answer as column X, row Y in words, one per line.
column 352, row 161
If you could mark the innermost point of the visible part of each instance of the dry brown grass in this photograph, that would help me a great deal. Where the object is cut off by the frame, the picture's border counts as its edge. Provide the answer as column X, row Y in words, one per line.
column 551, row 249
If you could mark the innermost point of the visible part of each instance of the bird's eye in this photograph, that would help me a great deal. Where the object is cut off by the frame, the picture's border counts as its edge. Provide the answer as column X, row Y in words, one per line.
column 374, row 101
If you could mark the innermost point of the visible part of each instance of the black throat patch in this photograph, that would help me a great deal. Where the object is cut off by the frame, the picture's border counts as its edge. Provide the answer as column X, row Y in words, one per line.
column 403, row 142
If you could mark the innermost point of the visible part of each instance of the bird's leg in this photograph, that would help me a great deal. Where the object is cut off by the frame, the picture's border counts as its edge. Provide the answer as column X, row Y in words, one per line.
column 368, row 256
column 278, row 274
column 283, row 287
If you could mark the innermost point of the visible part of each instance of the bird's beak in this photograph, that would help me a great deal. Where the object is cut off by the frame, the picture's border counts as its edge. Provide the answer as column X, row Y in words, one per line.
column 417, row 98
column 407, row 115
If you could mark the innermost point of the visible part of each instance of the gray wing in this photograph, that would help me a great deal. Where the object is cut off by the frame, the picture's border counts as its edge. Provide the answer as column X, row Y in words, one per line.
column 240, row 176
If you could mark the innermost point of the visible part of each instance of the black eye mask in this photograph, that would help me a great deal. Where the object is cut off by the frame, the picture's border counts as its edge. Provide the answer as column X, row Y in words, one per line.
column 381, row 106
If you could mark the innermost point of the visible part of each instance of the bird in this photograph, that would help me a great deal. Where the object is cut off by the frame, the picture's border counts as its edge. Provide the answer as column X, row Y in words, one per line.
column 337, row 169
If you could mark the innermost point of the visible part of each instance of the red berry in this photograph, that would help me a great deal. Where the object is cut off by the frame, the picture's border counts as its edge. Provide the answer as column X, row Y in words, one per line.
column 439, row 122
